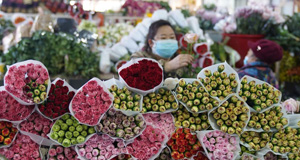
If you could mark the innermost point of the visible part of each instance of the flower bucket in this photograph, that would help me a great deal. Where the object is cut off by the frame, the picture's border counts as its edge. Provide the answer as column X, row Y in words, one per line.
column 239, row 42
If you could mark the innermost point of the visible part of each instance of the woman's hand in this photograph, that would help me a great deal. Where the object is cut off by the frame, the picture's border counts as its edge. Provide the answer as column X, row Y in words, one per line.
column 179, row 61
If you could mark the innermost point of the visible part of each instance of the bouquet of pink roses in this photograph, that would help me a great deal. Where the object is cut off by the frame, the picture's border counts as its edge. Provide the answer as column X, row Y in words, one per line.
column 11, row 109
column 90, row 102
column 28, row 82
column 163, row 121
column 219, row 145
column 59, row 152
column 59, row 98
column 37, row 125
column 101, row 147
column 148, row 144
column 21, row 149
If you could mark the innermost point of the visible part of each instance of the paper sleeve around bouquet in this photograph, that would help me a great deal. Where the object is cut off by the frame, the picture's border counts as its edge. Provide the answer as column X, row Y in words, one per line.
column 28, row 82
column 11, row 109
column 8, row 134
column 213, row 121
column 178, row 17
column 190, row 106
column 144, row 74
column 231, row 141
column 161, row 102
column 140, row 27
column 118, row 51
column 160, row 14
column 136, row 35
column 248, row 156
column 79, row 133
column 118, row 125
column 221, row 67
column 90, row 102
column 294, row 120
column 109, row 83
column 34, row 124
column 130, row 44
column 101, row 146
column 60, row 95
column 259, row 82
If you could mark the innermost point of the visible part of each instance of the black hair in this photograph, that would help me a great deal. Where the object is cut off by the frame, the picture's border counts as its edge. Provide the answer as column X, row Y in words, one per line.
column 153, row 30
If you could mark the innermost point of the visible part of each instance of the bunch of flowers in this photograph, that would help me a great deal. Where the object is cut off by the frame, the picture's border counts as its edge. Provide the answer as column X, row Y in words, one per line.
column 125, row 99
column 22, row 148
column 58, row 152
column 165, row 154
column 194, row 96
column 58, row 100
column 219, row 82
column 256, row 140
column 231, row 116
column 27, row 81
column 160, row 101
column 67, row 131
column 101, row 147
column 8, row 133
column 270, row 119
column 193, row 121
column 258, row 96
column 147, row 144
column 91, row 102
column 116, row 124
column 139, row 8
column 246, row 151
column 145, row 74
column 220, row 145
column 163, row 121
column 208, row 18
column 112, row 34
column 36, row 124
column 183, row 144
column 11, row 109
column 286, row 141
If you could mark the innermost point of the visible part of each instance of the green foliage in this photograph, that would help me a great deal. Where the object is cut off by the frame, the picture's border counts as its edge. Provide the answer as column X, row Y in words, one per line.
column 165, row 5
column 60, row 53
column 186, row 13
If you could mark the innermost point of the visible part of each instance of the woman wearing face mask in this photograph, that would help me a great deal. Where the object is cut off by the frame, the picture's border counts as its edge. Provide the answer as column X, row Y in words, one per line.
column 260, row 55
column 161, row 45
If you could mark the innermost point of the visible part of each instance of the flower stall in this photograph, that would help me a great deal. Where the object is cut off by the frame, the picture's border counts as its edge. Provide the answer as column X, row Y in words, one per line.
column 210, row 116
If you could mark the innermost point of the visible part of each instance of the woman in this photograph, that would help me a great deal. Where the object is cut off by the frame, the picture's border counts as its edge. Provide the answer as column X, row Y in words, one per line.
column 161, row 45
column 260, row 55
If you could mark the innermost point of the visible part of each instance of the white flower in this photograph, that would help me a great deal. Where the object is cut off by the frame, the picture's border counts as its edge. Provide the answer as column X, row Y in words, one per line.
column 291, row 106
column 191, row 38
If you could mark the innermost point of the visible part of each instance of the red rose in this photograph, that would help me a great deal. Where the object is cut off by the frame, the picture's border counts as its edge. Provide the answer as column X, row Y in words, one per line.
column 58, row 91
column 52, row 88
column 65, row 90
column 48, row 112
column 50, row 105
column 64, row 105
column 51, row 98
column 42, row 107
column 71, row 94
column 58, row 101
column 54, row 115
column 65, row 98
column 56, row 109
column 59, row 83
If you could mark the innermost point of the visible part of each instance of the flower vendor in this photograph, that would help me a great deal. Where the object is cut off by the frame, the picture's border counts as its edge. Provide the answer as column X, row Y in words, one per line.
column 161, row 44
column 260, row 55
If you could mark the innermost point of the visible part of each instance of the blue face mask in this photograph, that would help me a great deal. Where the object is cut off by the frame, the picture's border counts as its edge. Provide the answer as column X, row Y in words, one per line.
column 246, row 60
column 165, row 48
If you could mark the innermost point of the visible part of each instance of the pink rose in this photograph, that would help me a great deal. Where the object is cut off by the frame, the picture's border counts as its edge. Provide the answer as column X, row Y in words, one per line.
column 60, row 157
column 36, row 154
column 52, row 152
column 95, row 152
column 81, row 152
column 102, row 152
column 216, row 133
column 101, row 157
column 219, row 139
column 59, row 149
column 212, row 140
column 88, row 155
column 94, row 158
column 209, row 134
column 291, row 106
column 88, row 149
column 108, row 155
column 233, row 140
column 110, row 147
column 230, row 155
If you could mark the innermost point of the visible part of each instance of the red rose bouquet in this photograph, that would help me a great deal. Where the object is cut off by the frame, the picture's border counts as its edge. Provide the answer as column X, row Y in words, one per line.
column 36, row 124
column 11, row 109
column 28, row 82
column 59, row 98
column 7, row 134
column 183, row 144
column 23, row 148
column 90, row 102
column 142, row 75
